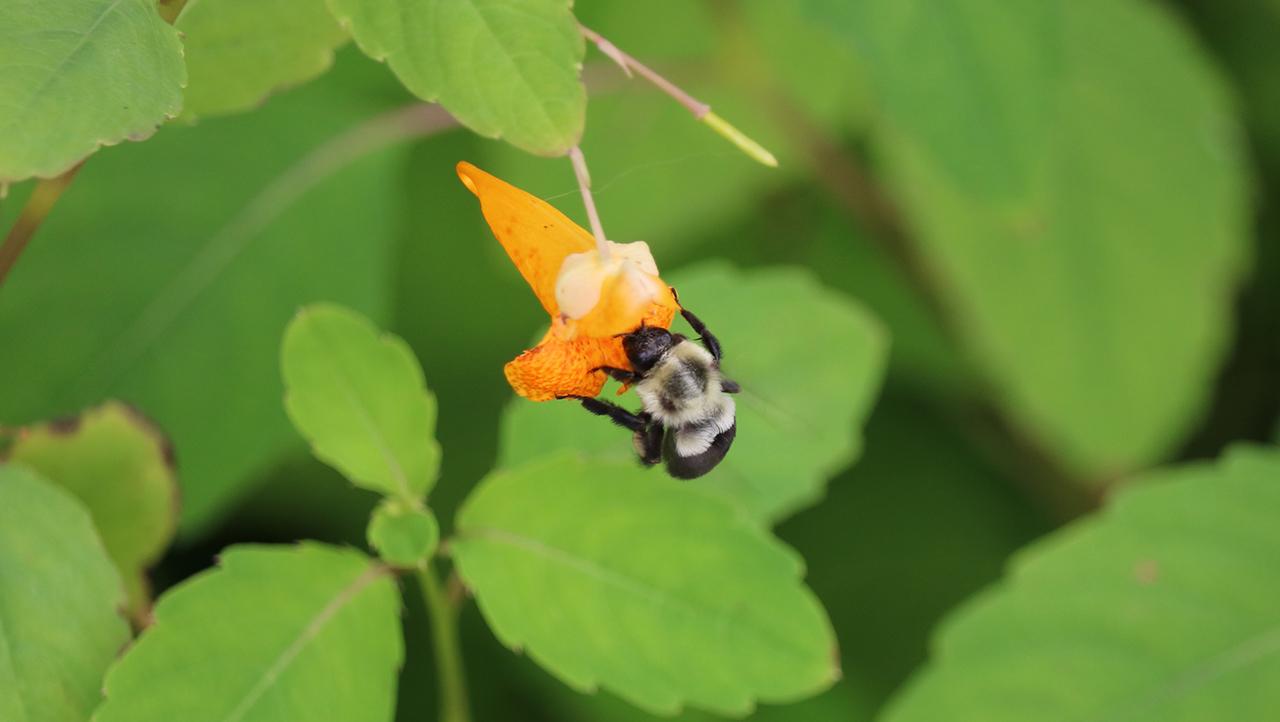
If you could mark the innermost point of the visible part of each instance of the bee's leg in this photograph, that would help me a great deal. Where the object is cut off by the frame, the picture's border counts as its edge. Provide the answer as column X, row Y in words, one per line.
column 619, row 415
column 708, row 339
column 649, row 443
column 617, row 374
column 729, row 386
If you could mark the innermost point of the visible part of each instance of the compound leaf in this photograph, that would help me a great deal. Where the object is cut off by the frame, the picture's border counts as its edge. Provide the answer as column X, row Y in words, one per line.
column 274, row 633
column 120, row 467
column 809, row 363
column 359, row 397
column 610, row 576
column 1074, row 175
column 239, row 52
column 504, row 69
column 78, row 75
column 1161, row 608
column 59, row 600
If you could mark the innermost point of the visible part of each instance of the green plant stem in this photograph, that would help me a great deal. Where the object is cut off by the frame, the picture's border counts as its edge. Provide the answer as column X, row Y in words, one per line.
column 444, row 632
column 46, row 194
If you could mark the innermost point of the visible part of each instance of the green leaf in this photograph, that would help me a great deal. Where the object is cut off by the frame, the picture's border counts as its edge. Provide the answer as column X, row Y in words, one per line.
column 78, row 75
column 1073, row 173
column 120, row 467
column 179, row 262
column 402, row 534
column 809, row 362
column 503, row 68
column 668, row 160
column 59, row 596
column 610, row 576
column 359, row 397
column 835, row 705
column 1162, row 608
column 275, row 633
column 239, row 52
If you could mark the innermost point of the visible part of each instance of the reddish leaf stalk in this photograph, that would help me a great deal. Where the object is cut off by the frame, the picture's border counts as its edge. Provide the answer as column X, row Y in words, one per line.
column 43, row 198
column 700, row 110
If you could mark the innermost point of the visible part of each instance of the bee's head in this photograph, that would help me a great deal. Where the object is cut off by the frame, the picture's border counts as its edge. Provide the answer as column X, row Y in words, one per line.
column 646, row 345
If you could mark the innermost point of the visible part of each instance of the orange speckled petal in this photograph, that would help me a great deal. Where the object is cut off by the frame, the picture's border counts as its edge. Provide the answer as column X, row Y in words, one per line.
column 557, row 367
column 535, row 235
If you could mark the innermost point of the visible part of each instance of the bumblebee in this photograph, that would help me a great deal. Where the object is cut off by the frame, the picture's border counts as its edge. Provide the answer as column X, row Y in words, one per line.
column 688, row 419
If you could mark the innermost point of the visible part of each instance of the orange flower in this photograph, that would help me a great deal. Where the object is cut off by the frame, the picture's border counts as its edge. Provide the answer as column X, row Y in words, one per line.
column 590, row 300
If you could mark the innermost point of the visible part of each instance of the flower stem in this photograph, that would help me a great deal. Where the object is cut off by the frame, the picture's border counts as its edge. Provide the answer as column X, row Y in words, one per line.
column 700, row 110
column 584, row 184
column 444, row 632
column 42, row 200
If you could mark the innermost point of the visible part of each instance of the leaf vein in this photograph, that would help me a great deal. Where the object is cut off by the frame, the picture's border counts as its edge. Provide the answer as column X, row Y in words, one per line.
column 308, row 634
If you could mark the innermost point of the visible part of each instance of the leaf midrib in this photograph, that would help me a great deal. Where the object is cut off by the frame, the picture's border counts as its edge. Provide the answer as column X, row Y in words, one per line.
column 53, row 74
column 1238, row 656
column 6, row 664
column 517, row 69
column 617, row 579
column 306, row 636
column 366, row 417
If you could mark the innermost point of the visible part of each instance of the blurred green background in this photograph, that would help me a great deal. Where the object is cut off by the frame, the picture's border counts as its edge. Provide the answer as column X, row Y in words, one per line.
column 1073, row 252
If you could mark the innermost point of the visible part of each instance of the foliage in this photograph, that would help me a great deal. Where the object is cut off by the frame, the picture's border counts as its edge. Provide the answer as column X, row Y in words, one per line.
column 229, row 645
column 1044, row 154
column 1177, row 622
column 76, row 76
column 504, row 69
column 614, row 559
column 121, row 468
column 240, row 51
column 211, row 281
column 58, row 599
column 402, row 533
column 361, row 401
column 1017, row 269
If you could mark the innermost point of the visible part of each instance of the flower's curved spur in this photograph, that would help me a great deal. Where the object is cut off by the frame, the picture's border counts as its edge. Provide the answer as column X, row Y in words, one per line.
column 590, row 299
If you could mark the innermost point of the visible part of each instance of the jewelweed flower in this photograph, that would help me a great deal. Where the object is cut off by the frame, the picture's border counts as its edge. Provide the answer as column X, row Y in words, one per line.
column 591, row 299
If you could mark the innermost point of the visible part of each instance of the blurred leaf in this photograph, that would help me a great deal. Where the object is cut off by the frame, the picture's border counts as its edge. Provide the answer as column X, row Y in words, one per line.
column 922, row 522
column 1162, row 608
column 275, row 633
column 854, row 262
column 835, row 705
column 76, row 76
column 239, row 52
column 817, row 71
column 13, row 197
column 359, row 397
column 59, row 595
column 503, row 68
column 809, row 362
column 170, row 269
column 1241, row 31
column 610, row 576
column 403, row 535
column 1073, row 172
column 119, row 466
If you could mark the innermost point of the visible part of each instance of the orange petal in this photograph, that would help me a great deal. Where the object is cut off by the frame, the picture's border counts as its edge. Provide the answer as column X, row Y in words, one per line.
column 557, row 367
column 539, row 238
column 535, row 235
